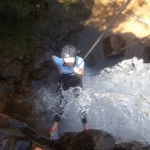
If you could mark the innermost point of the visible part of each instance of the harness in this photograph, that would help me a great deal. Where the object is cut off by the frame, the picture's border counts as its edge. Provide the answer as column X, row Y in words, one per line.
column 69, row 80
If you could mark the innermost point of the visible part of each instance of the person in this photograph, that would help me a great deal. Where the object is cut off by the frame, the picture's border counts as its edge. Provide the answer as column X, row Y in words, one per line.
column 71, row 69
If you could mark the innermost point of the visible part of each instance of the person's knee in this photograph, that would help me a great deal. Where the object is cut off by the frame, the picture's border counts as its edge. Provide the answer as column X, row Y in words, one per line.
column 84, row 120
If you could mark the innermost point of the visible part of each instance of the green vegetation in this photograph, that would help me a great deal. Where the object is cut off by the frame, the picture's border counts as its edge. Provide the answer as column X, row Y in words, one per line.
column 69, row 4
column 15, row 22
column 78, row 10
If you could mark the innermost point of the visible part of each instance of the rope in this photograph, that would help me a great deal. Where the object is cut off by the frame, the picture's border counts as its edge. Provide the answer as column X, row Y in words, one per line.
column 103, row 33
column 118, row 51
column 131, row 14
column 131, row 44
column 98, row 40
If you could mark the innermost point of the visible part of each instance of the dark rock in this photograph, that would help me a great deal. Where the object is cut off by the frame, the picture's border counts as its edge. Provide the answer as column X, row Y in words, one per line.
column 147, row 51
column 13, row 70
column 89, row 61
column 22, row 131
column 18, row 55
column 60, row 44
column 39, row 49
column 113, row 45
column 53, row 45
column 3, row 101
column 3, row 134
column 86, row 140
column 22, row 90
column 26, row 61
column 16, row 143
column 131, row 146
column 39, row 73
column 18, row 109
column 49, row 64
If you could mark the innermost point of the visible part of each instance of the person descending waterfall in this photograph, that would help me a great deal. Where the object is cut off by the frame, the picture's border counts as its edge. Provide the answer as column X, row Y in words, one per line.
column 71, row 68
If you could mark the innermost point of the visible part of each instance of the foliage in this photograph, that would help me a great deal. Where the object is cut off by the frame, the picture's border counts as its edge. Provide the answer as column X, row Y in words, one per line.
column 69, row 4
column 78, row 9
column 12, row 13
column 15, row 23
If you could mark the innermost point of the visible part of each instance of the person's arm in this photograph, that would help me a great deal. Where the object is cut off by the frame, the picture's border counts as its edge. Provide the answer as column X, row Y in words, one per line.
column 53, row 57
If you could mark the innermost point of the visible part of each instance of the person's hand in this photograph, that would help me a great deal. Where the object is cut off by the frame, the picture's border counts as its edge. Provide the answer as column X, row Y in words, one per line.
column 79, row 72
column 76, row 69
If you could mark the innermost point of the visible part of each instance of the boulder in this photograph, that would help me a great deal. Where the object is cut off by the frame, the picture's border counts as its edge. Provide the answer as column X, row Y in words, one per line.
column 133, row 145
column 40, row 73
column 87, row 140
column 113, row 45
column 16, row 135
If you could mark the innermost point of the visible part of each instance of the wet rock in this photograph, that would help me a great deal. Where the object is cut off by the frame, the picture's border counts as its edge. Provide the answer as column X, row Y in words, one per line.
column 39, row 73
column 53, row 45
column 16, row 143
column 21, row 128
column 18, row 108
column 49, row 64
column 131, row 146
column 13, row 70
column 22, row 90
column 86, row 140
column 3, row 101
column 16, row 135
column 3, row 134
column 39, row 49
column 114, row 45
column 60, row 45
column 89, row 61
column 19, row 133
column 40, row 59
column 26, row 61
column 18, row 55
column 147, row 52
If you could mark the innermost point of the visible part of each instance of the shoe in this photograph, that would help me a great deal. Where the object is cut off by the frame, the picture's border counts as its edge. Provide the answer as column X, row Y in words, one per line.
column 53, row 134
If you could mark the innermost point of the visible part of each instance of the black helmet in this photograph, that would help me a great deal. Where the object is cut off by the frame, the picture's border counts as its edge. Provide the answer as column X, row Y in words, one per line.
column 68, row 51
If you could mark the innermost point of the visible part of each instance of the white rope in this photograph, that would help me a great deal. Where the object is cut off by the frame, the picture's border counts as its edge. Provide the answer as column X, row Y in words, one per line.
column 131, row 14
column 109, row 25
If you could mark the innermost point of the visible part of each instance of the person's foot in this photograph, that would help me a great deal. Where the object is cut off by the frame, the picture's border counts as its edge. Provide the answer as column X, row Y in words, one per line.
column 53, row 134
column 85, row 127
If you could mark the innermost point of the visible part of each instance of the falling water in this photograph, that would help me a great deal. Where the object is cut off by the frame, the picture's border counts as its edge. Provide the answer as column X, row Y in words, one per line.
column 117, row 101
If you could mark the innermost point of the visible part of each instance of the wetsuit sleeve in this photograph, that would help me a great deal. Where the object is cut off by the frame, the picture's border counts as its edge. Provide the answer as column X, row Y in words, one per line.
column 58, row 61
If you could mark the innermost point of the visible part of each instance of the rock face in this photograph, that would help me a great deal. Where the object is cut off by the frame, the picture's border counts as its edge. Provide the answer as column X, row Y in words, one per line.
column 88, row 140
column 51, row 31
column 17, row 135
column 131, row 146
column 16, row 143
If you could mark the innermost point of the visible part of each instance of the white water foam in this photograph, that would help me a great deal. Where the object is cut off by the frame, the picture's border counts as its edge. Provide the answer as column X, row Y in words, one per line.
column 118, row 101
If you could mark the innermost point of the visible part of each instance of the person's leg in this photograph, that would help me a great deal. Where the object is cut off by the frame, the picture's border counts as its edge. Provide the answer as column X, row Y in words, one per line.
column 60, row 110
column 81, row 106
column 58, row 115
